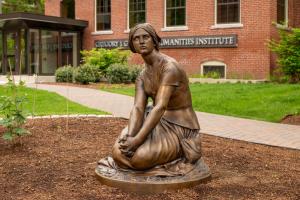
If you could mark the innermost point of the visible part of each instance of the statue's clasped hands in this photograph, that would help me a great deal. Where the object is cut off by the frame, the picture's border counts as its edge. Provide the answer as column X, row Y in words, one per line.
column 128, row 145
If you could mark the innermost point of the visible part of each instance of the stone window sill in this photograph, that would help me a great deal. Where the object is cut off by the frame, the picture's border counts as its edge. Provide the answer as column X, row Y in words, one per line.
column 175, row 28
column 220, row 26
column 109, row 32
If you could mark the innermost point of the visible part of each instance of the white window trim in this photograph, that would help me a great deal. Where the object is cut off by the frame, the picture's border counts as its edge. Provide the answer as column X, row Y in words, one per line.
column 128, row 29
column 96, row 32
column 214, row 63
column 174, row 28
column 230, row 25
column 286, row 20
column 108, row 32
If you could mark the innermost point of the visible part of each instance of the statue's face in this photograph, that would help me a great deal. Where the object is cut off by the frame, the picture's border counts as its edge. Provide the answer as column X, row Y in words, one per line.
column 142, row 42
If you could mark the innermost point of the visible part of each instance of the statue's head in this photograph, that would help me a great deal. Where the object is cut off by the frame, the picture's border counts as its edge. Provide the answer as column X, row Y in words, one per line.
column 149, row 29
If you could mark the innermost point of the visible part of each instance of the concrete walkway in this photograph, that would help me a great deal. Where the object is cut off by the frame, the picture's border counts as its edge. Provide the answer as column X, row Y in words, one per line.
column 273, row 134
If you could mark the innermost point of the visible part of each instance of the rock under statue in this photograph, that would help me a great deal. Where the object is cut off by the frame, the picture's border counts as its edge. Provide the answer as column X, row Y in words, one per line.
column 161, row 147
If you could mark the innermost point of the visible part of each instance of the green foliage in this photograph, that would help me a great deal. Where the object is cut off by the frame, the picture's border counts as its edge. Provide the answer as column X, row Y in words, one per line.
column 213, row 74
column 103, row 58
column 87, row 73
column 11, row 108
column 288, row 51
column 134, row 71
column 32, row 6
column 118, row 73
column 64, row 74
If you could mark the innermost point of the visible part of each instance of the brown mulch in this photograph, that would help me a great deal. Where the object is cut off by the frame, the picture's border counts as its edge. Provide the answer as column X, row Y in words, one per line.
column 52, row 163
column 291, row 119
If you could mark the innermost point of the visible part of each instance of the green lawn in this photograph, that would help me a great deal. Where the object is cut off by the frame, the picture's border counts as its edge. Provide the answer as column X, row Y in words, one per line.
column 50, row 103
column 269, row 101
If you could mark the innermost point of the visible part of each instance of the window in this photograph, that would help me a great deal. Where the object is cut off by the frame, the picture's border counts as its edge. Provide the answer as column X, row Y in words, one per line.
column 175, row 13
column 282, row 16
column 228, row 11
column 137, row 12
column 213, row 69
column 103, row 15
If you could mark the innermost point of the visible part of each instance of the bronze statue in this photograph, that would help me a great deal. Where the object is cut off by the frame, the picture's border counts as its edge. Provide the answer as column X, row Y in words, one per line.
column 162, row 140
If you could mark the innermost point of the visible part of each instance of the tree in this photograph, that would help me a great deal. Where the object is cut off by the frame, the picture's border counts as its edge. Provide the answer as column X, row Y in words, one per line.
column 288, row 52
column 32, row 6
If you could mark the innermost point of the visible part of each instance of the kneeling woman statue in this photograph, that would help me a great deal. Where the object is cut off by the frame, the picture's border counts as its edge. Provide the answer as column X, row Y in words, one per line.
column 161, row 140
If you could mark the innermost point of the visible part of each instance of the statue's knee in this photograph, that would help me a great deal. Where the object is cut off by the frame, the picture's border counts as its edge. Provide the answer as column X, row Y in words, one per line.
column 141, row 161
column 116, row 153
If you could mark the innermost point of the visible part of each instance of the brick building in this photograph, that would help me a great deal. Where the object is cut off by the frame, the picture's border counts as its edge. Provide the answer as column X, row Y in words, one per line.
column 228, row 36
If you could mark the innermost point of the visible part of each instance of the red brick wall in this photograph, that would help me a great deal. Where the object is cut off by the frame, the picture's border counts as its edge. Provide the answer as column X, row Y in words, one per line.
column 52, row 7
column 296, row 13
column 251, row 59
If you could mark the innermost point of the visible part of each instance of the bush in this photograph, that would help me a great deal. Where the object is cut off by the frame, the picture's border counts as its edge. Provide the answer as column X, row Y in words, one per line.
column 134, row 71
column 118, row 73
column 64, row 74
column 86, row 73
column 288, row 51
column 103, row 58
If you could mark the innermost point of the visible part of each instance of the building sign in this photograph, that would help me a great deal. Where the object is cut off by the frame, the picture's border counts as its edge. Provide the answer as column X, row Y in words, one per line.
column 215, row 41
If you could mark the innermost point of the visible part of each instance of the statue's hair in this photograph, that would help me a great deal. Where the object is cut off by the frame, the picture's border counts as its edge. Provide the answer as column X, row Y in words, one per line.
column 149, row 29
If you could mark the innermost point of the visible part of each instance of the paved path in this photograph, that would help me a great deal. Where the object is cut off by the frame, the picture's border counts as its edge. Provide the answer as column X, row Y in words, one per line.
column 229, row 127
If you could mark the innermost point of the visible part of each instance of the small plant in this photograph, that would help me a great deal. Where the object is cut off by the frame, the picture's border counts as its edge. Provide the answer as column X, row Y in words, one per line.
column 11, row 108
column 118, row 73
column 134, row 71
column 86, row 73
column 213, row 74
column 64, row 74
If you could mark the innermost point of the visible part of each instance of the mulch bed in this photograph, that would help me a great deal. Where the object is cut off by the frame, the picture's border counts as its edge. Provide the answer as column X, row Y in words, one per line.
column 291, row 119
column 53, row 163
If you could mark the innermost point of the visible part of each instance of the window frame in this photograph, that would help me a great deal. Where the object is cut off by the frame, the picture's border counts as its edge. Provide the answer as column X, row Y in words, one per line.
column 128, row 18
column 286, row 15
column 213, row 63
column 227, row 25
column 174, row 28
column 101, row 32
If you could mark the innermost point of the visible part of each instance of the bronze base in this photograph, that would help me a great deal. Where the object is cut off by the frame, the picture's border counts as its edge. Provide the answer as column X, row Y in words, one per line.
column 130, row 182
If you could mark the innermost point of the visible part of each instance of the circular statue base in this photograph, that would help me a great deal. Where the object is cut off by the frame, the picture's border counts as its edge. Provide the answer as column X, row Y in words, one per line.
column 143, row 184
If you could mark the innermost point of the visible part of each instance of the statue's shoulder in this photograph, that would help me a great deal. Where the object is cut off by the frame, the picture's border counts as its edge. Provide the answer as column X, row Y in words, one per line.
column 172, row 66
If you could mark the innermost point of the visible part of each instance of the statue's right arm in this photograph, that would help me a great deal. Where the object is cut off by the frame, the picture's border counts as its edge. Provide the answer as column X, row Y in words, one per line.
column 138, row 110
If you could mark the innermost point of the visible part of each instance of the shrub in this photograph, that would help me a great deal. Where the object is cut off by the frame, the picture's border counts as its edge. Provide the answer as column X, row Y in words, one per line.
column 86, row 73
column 213, row 74
column 118, row 73
column 134, row 71
column 288, row 51
column 64, row 74
column 11, row 108
column 103, row 58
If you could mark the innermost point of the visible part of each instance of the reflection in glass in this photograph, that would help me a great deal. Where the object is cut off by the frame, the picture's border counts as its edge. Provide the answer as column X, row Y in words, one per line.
column 49, row 51
column 69, row 48
column 11, row 52
column 23, row 52
column 175, row 11
column 1, row 53
column 34, row 51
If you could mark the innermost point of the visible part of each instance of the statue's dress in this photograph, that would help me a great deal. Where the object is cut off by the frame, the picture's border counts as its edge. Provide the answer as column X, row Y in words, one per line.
column 174, row 146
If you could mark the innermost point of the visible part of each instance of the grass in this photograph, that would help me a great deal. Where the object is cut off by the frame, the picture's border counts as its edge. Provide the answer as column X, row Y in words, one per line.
column 49, row 103
column 268, row 102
